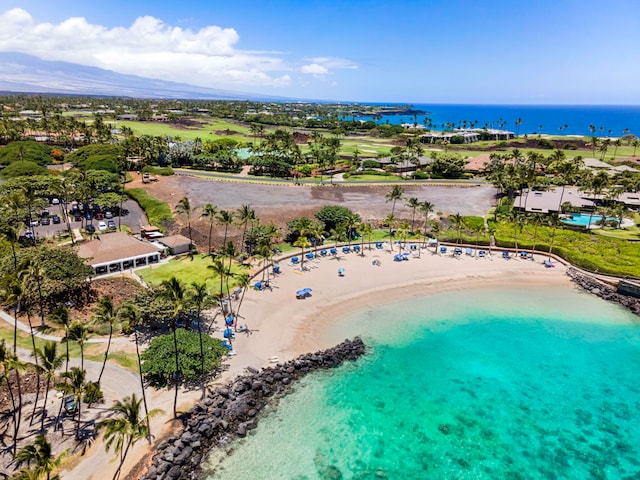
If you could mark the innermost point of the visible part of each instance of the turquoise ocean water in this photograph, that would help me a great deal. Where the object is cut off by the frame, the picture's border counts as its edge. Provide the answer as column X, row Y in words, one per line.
column 484, row 384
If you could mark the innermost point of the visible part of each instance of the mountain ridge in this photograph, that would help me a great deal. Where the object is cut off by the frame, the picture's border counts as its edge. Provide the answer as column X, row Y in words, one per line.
column 22, row 73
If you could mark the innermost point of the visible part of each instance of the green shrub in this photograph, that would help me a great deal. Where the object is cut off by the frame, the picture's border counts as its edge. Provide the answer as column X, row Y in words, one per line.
column 158, row 212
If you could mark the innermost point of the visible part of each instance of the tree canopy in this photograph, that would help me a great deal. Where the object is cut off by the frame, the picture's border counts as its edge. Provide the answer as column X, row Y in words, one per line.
column 23, row 169
column 333, row 215
column 158, row 361
column 25, row 151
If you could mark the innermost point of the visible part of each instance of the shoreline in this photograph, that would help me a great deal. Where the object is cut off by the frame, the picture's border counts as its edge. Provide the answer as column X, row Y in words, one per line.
column 284, row 328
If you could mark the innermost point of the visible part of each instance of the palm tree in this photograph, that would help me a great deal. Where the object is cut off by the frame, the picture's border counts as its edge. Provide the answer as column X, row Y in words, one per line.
column 12, row 293
column 50, row 361
column 126, row 428
column 243, row 280
column 245, row 215
column 198, row 296
column 596, row 184
column 221, row 270
column 225, row 218
column 209, row 211
column 394, row 195
column 78, row 332
column 174, row 291
column 390, row 221
column 106, row 314
column 554, row 221
column 425, row 208
column 130, row 313
column 42, row 454
column 302, row 242
column 60, row 315
column 10, row 362
column 457, row 220
column 367, row 231
column 184, row 208
column 31, row 270
column 75, row 386
column 351, row 221
column 413, row 203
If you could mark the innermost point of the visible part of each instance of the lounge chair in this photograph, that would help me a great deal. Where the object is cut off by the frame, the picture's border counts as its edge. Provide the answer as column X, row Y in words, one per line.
column 443, row 250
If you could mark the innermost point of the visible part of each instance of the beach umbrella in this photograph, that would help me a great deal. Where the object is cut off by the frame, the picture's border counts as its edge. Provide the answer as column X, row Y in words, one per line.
column 307, row 290
column 341, row 270
column 300, row 293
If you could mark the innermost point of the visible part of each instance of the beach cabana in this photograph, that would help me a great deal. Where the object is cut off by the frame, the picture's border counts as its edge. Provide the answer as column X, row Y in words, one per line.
column 506, row 255
column 379, row 245
column 457, row 251
column 276, row 270
column 323, row 253
column 481, row 253
column 525, row 255
column 229, row 321
column 356, row 248
column 333, row 251
column 346, row 249
column 398, row 257
column 310, row 256
column 295, row 260
column 443, row 250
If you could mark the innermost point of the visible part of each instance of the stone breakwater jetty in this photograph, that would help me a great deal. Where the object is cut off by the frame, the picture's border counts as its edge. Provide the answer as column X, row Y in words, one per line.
column 231, row 411
column 604, row 291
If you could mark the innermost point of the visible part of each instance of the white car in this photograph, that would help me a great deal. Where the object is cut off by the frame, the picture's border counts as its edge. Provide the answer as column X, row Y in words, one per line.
column 102, row 226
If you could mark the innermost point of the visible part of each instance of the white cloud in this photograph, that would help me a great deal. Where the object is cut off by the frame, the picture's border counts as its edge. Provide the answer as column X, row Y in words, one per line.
column 314, row 69
column 149, row 48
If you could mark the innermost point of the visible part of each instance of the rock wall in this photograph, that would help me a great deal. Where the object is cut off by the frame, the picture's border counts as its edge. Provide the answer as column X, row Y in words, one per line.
column 604, row 291
column 231, row 411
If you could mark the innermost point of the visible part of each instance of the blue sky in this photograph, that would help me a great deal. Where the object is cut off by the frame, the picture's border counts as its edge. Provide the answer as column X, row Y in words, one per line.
column 430, row 51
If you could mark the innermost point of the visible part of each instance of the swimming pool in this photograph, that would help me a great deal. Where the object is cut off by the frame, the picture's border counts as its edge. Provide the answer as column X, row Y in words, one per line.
column 582, row 220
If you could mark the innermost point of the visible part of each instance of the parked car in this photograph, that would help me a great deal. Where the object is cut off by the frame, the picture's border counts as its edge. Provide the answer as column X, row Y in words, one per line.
column 55, row 219
column 45, row 221
column 77, row 217
column 34, row 223
column 111, row 224
column 90, row 228
column 88, row 216
column 102, row 226
column 55, row 201
column 44, row 213
column 99, row 216
column 108, row 214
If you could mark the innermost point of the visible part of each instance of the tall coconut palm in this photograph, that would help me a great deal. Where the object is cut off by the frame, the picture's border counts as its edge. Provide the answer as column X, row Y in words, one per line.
column 225, row 218
column 302, row 242
column 11, row 363
column 425, row 209
column 245, row 216
column 126, row 428
column 366, row 231
column 74, row 384
column 458, row 221
column 60, row 315
column 184, row 208
column 78, row 332
column 596, row 184
column 198, row 295
column 50, row 361
column 243, row 280
column 351, row 222
column 130, row 313
column 210, row 212
column 106, row 314
column 394, row 195
column 41, row 453
column 174, row 291
column 391, row 221
column 31, row 270
column 11, row 293
column 413, row 203
column 221, row 270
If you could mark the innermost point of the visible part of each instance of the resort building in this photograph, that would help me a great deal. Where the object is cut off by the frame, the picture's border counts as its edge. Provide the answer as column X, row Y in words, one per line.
column 467, row 135
column 118, row 251
column 403, row 166
column 176, row 244
column 550, row 201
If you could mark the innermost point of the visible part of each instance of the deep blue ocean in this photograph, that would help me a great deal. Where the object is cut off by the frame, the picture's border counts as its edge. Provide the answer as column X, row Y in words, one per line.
column 608, row 120
column 511, row 383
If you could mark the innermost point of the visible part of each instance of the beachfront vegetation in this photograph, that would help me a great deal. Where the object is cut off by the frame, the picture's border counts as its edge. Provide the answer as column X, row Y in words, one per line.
column 158, row 212
column 158, row 365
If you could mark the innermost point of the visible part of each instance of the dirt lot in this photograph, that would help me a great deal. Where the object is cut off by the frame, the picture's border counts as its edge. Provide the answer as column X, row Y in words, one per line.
column 289, row 201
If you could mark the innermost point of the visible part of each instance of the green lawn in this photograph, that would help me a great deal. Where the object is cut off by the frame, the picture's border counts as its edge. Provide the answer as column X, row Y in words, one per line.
column 189, row 270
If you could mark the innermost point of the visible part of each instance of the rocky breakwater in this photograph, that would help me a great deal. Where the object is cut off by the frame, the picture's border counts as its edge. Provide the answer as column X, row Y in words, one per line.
column 604, row 291
column 231, row 411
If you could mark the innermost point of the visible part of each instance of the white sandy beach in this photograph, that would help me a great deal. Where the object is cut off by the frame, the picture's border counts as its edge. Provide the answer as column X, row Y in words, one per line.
column 285, row 327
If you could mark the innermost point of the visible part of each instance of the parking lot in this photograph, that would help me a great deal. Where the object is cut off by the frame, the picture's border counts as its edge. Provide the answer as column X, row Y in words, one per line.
column 134, row 219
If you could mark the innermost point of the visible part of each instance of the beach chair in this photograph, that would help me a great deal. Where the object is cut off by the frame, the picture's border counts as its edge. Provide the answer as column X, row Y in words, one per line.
column 443, row 250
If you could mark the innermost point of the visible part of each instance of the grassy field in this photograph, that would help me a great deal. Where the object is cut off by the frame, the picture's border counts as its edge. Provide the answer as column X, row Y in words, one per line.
column 188, row 270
